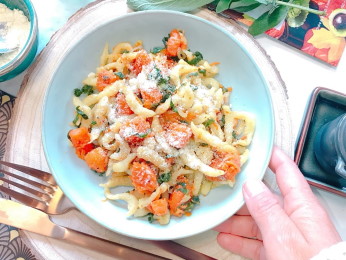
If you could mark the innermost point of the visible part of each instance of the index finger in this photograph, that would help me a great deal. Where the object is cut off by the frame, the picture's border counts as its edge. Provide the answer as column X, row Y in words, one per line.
column 299, row 201
column 288, row 175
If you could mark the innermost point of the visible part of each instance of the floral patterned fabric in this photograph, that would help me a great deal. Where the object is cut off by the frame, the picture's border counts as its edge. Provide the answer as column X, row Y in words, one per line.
column 11, row 245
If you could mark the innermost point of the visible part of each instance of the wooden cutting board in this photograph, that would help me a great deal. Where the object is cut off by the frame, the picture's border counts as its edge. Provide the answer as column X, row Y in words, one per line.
column 24, row 144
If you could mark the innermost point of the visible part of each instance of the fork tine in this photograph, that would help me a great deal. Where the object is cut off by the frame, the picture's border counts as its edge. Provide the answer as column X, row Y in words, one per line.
column 41, row 186
column 43, row 196
column 29, row 201
column 42, row 175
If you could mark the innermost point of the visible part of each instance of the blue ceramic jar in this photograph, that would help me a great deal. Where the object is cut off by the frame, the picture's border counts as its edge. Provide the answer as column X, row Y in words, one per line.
column 27, row 54
column 330, row 146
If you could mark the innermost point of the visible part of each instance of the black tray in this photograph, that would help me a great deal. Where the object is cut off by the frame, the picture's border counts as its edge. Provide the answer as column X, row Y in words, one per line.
column 324, row 106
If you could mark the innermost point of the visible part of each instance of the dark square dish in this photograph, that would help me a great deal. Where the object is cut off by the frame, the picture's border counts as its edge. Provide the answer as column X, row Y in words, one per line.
column 324, row 106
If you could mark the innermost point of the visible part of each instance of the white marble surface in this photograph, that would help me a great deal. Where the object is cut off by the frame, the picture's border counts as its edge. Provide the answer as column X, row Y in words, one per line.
column 300, row 72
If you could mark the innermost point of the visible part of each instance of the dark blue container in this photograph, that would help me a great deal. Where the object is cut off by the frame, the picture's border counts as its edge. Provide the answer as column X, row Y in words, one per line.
column 330, row 146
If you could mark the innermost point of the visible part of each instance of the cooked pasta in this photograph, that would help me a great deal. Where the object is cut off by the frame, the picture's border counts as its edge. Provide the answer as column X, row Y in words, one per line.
column 159, row 124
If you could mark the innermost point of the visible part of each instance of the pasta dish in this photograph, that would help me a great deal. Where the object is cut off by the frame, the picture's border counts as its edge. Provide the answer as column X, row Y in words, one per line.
column 159, row 123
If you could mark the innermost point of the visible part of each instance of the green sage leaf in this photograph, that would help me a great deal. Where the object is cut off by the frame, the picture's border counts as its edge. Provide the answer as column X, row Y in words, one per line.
column 245, row 2
column 268, row 20
column 177, row 5
column 246, row 8
column 223, row 5
column 266, row 2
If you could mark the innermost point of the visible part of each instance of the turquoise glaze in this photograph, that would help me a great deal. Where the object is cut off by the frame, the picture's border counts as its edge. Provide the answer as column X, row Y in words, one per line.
column 237, row 69
column 27, row 54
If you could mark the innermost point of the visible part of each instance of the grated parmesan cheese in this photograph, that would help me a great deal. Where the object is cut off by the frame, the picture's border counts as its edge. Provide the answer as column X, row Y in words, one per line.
column 14, row 32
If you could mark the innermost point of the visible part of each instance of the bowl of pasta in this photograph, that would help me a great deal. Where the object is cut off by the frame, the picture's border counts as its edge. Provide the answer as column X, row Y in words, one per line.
column 164, row 121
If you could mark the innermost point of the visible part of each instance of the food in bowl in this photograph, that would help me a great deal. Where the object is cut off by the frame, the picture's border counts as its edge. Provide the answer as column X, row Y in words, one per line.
column 17, row 61
column 14, row 32
column 160, row 123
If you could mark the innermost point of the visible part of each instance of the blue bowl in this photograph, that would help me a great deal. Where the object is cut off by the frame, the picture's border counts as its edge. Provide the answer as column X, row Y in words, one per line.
column 237, row 69
column 27, row 54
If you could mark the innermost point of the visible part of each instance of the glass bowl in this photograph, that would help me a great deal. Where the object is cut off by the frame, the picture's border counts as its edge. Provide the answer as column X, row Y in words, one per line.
column 27, row 54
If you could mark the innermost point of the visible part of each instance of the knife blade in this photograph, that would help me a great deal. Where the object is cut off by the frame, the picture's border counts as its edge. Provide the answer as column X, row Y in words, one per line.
column 180, row 250
column 20, row 216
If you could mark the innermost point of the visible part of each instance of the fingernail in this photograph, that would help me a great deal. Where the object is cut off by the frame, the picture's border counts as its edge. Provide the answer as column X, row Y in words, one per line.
column 252, row 188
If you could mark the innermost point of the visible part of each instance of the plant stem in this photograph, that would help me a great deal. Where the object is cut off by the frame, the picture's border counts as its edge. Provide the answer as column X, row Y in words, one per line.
column 318, row 12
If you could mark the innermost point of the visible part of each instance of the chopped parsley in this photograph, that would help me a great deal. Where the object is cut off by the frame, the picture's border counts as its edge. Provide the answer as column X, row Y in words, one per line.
column 224, row 90
column 192, row 74
column 165, row 40
column 175, row 58
column 183, row 188
column 167, row 91
column 223, row 120
column 75, row 120
column 173, row 107
column 77, row 92
column 184, row 122
column 143, row 135
column 81, row 113
column 157, row 75
column 150, row 217
column 162, row 81
column 195, row 199
column 164, row 177
column 170, row 88
column 193, row 87
column 156, row 50
column 198, row 57
column 234, row 135
column 93, row 123
column 99, row 173
column 155, row 105
column 208, row 122
column 188, row 206
column 86, row 89
column 202, row 71
column 119, row 74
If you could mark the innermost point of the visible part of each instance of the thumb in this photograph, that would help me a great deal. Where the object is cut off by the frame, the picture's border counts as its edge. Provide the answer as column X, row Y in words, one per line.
column 266, row 210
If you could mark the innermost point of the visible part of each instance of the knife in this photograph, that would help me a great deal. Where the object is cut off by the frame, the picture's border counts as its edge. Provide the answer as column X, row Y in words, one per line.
column 180, row 250
column 20, row 216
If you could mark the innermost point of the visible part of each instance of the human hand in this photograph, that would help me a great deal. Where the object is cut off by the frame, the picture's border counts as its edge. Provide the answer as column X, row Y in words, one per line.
column 294, row 227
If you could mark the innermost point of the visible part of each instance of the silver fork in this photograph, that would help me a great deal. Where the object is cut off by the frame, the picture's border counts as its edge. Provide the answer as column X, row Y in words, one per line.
column 46, row 194
column 47, row 197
